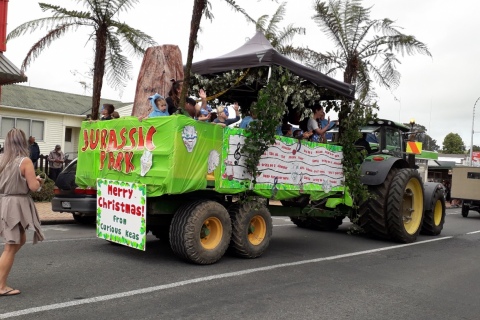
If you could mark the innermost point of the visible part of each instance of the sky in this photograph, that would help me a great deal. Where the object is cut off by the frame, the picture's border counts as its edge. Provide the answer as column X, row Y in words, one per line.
column 439, row 92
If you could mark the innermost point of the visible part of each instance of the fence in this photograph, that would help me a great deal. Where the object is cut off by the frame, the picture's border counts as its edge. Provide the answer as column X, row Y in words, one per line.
column 42, row 163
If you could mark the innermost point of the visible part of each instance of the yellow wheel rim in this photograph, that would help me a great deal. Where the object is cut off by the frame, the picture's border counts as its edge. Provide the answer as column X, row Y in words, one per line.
column 257, row 230
column 438, row 213
column 412, row 206
column 211, row 233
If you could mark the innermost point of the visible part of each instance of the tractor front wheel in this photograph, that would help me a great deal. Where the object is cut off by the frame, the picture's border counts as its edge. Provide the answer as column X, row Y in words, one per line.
column 434, row 218
column 405, row 206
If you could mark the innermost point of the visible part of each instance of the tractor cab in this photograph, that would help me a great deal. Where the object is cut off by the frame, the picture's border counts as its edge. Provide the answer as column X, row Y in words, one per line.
column 384, row 137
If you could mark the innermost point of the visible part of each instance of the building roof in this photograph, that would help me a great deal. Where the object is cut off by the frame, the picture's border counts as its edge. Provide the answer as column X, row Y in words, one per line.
column 24, row 97
column 9, row 73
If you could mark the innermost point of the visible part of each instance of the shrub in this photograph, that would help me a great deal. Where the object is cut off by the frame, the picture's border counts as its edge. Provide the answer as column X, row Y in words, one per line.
column 46, row 194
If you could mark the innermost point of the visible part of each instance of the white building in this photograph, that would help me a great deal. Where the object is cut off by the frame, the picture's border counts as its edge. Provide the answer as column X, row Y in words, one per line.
column 52, row 117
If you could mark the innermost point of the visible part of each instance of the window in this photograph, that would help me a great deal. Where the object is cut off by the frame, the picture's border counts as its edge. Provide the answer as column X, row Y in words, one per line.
column 30, row 127
column 393, row 141
column 68, row 134
column 6, row 125
column 37, row 130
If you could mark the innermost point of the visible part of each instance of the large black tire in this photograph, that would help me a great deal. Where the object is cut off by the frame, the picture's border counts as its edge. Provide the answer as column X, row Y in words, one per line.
column 251, row 229
column 465, row 210
column 434, row 218
column 84, row 219
column 372, row 216
column 200, row 232
column 405, row 206
column 325, row 224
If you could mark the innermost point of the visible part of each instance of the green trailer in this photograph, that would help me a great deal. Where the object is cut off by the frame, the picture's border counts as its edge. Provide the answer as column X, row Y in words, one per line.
column 199, row 196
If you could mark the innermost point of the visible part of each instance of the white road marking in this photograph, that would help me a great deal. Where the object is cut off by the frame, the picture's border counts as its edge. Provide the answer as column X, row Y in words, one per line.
column 59, row 240
column 454, row 212
column 55, row 228
column 473, row 232
column 202, row 279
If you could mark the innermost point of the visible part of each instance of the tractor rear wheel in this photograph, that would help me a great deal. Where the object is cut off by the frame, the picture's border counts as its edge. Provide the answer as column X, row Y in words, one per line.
column 434, row 219
column 372, row 216
column 251, row 229
column 200, row 232
column 405, row 206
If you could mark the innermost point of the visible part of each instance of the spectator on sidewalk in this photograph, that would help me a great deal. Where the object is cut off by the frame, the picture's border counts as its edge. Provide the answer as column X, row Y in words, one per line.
column 56, row 159
column 17, row 209
column 34, row 151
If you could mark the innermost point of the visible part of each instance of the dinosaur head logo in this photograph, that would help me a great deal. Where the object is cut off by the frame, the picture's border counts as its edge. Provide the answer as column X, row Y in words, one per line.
column 189, row 137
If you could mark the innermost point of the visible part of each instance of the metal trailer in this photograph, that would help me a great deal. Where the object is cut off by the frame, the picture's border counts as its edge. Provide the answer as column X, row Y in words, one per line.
column 466, row 187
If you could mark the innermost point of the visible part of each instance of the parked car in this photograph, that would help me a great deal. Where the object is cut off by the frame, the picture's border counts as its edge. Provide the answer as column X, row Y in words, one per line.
column 70, row 198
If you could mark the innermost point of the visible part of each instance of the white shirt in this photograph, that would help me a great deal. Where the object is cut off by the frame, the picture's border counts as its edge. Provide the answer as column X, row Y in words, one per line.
column 312, row 124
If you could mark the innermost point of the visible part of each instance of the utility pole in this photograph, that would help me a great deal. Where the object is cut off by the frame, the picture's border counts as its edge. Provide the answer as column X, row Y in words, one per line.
column 473, row 131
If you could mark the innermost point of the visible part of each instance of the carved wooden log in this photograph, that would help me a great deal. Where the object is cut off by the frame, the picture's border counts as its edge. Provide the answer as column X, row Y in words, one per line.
column 160, row 65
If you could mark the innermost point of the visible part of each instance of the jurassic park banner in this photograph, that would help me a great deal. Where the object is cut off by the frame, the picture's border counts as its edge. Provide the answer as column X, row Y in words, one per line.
column 176, row 154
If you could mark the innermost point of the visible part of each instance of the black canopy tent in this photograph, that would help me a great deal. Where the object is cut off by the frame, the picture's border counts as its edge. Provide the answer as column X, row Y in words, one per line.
column 258, row 52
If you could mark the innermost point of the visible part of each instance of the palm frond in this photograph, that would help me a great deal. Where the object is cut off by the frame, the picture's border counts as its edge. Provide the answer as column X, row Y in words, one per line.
column 297, row 53
column 261, row 22
column 237, row 8
column 44, row 42
column 407, row 44
column 60, row 12
column 288, row 33
column 276, row 19
column 327, row 17
column 386, row 27
column 327, row 63
column 137, row 39
column 207, row 11
column 49, row 22
column 364, row 84
column 390, row 77
column 122, row 5
column 117, row 66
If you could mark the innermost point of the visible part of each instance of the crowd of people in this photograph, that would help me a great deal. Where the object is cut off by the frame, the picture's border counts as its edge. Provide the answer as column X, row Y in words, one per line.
column 313, row 128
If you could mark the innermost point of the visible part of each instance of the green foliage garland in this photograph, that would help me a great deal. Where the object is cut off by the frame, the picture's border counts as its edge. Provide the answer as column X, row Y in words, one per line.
column 270, row 109
column 284, row 87
column 354, row 115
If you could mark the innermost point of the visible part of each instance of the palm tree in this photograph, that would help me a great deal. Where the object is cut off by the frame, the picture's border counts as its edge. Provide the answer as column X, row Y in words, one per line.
column 366, row 48
column 108, row 34
column 278, row 38
column 201, row 7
